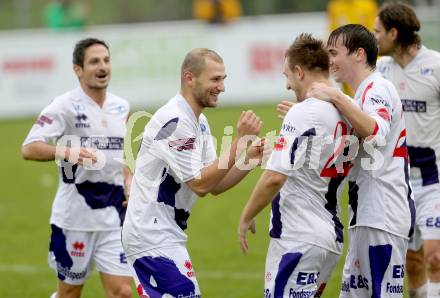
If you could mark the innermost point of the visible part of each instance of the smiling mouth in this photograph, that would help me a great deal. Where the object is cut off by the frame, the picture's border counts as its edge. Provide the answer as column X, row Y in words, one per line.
column 101, row 76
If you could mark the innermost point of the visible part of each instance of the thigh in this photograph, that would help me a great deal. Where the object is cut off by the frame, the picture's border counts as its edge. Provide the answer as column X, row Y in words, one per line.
column 374, row 265
column 70, row 254
column 293, row 268
column 109, row 255
column 164, row 271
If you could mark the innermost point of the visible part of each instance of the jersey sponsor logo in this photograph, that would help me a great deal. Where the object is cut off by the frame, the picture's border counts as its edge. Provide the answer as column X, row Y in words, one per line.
column 301, row 294
column 267, row 293
column 82, row 121
column 103, row 143
column 383, row 113
column 305, row 278
column 433, row 222
column 78, row 249
column 122, row 258
column 287, row 127
column 280, row 144
column 72, row 275
column 43, row 119
column 398, row 272
column 189, row 267
column 183, row 144
column 355, row 282
column 379, row 101
column 411, row 105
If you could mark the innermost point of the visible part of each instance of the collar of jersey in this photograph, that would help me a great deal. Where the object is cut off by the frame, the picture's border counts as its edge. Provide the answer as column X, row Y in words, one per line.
column 181, row 101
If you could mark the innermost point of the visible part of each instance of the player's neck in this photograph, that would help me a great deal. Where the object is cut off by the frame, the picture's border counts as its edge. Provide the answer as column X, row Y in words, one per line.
column 98, row 95
column 195, row 107
column 404, row 56
column 317, row 79
column 360, row 75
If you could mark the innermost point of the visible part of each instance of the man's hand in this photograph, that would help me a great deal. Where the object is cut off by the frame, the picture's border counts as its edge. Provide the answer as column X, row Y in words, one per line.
column 283, row 107
column 243, row 227
column 248, row 124
column 81, row 156
column 323, row 91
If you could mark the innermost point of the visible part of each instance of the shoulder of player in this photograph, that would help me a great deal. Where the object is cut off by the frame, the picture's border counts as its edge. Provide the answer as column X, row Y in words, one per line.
column 311, row 111
column 117, row 99
column 384, row 60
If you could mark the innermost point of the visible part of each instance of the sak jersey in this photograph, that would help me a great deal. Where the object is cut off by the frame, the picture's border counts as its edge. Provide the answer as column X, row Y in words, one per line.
column 418, row 85
column 86, row 200
column 380, row 195
column 309, row 152
column 176, row 146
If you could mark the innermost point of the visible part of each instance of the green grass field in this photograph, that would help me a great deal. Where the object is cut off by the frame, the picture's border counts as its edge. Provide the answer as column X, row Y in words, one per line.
column 222, row 270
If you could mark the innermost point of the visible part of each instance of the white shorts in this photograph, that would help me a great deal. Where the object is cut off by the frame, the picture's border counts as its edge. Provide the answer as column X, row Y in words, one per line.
column 72, row 253
column 374, row 266
column 296, row 269
column 163, row 271
column 427, row 201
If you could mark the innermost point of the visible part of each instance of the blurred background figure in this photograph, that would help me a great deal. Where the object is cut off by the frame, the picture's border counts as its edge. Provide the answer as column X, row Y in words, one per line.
column 65, row 14
column 217, row 11
column 342, row 12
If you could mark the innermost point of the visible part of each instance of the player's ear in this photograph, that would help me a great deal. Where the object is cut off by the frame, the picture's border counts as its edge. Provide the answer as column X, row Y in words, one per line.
column 392, row 33
column 188, row 77
column 77, row 69
column 299, row 72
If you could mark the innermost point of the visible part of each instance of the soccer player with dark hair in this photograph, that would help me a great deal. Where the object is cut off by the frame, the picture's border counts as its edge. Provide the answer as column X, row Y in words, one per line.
column 306, row 233
column 382, row 209
column 177, row 161
column 84, row 130
column 415, row 72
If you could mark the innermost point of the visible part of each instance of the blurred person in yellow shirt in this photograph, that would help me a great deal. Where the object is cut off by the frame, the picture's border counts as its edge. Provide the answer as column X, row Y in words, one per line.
column 342, row 12
column 217, row 11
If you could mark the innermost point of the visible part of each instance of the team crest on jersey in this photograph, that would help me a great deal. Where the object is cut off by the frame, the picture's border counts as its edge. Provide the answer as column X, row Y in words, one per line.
column 42, row 120
column 427, row 71
column 183, row 144
column 82, row 121
column 189, row 267
column 78, row 249
column 268, row 276
column 280, row 144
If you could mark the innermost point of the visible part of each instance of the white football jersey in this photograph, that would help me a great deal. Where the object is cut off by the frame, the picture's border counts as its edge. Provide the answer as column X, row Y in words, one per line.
column 380, row 195
column 310, row 151
column 418, row 85
column 176, row 146
column 86, row 200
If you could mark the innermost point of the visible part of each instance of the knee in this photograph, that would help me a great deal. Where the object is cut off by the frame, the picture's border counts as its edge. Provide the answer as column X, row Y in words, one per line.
column 432, row 260
column 414, row 263
column 123, row 291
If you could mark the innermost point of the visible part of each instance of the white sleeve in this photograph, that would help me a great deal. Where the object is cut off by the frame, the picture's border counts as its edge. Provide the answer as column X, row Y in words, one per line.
column 291, row 145
column 176, row 143
column 378, row 104
column 50, row 125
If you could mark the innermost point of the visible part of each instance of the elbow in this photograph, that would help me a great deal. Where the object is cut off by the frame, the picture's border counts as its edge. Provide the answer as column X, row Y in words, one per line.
column 25, row 152
column 276, row 181
column 201, row 193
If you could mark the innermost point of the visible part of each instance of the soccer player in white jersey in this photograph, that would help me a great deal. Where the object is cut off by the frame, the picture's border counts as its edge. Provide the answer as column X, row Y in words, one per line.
column 382, row 209
column 177, row 161
column 302, row 183
column 89, row 205
column 415, row 72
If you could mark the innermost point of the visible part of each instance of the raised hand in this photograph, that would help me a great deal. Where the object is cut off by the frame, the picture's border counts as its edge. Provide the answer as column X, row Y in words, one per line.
column 283, row 107
column 248, row 124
